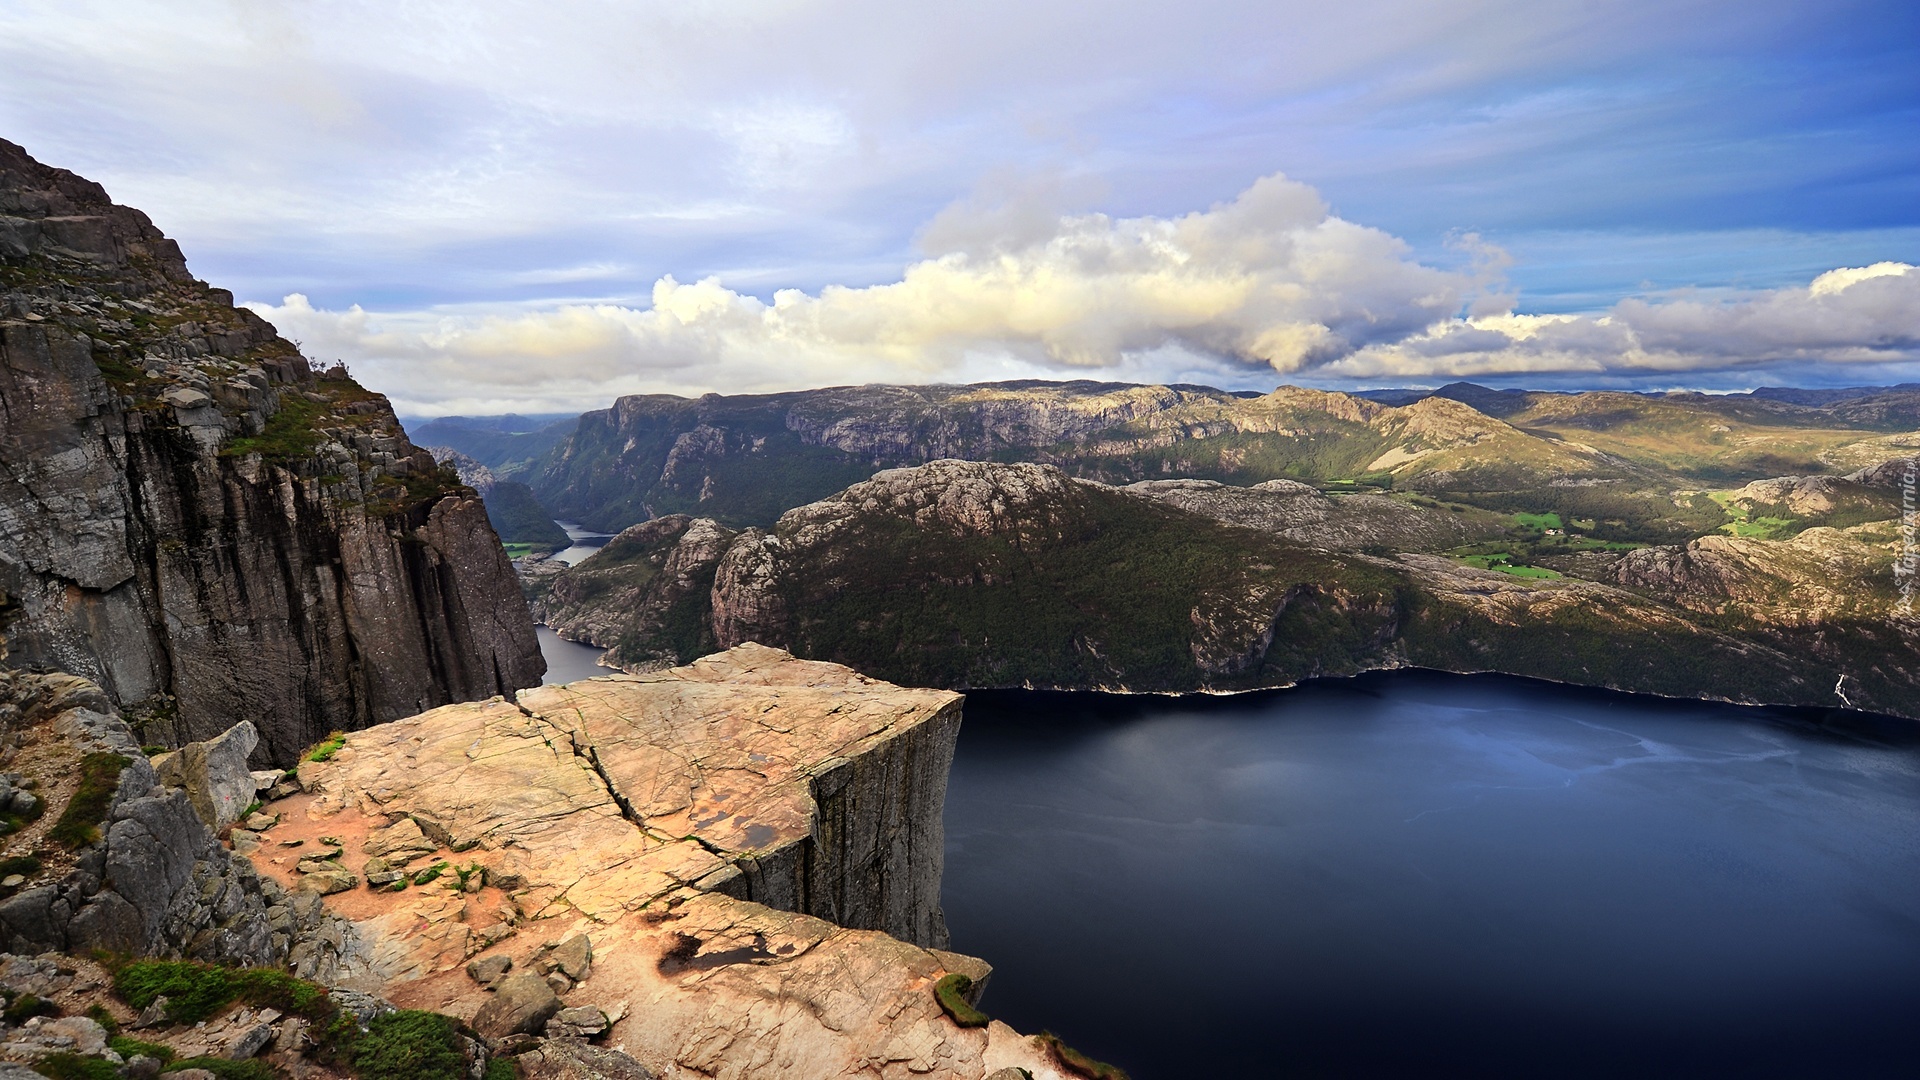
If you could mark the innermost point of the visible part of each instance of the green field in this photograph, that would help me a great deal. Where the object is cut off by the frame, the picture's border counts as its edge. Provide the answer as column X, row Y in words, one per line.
column 1549, row 520
column 1754, row 528
column 514, row 551
column 1502, row 562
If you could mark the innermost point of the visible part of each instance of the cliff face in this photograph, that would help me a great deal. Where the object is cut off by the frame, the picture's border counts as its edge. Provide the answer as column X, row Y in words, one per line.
column 199, row 522
column 736, row 864
column 972, row 574
column 744, row 460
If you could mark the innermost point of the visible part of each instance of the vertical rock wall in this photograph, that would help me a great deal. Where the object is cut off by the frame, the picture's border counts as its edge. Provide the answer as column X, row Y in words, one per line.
column 198, row 521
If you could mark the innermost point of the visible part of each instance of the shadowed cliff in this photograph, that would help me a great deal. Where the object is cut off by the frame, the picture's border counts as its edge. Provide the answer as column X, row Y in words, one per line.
column 200, row 522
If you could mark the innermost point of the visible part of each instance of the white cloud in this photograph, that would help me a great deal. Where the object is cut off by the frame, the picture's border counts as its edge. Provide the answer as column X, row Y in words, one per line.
column 1849, row 316
column 1270, row 279
column 1265, row 287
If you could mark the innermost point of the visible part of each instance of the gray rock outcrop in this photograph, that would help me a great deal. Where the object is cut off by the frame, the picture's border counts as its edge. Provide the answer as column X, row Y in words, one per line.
column 195, row 519
column 214, row 774
column 156, row 881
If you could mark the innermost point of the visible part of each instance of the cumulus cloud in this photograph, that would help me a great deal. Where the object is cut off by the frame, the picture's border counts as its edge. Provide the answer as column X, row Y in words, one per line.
column 1266, row 287
column 1849, row 316
column 1270, row 278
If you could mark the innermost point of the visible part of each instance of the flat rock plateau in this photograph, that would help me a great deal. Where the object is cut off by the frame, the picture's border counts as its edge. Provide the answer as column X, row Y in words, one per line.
column 750, row 845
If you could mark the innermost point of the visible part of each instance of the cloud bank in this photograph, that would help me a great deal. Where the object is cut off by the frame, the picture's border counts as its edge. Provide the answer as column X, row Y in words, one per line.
column 1267, row 287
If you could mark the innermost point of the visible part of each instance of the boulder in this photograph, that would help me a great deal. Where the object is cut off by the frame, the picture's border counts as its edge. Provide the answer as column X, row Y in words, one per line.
column 328, row 882
column 573, row 958
column 567, row 1059
column 578, row 1022
column 489, row 970
column 521, row 1005
column 154, row 1015
column 215, row 774
column 250, row 1042
column 400, row 842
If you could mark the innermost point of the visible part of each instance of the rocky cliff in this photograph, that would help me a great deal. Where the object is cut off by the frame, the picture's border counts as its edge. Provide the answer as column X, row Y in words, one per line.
column 744, row 460
column 196, row 520
column 973, row 574
column 729, row 869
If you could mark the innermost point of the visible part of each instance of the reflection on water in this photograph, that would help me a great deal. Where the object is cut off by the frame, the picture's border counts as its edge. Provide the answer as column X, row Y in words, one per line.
column 1422, row 875
column 567, row 660
column 584, row 543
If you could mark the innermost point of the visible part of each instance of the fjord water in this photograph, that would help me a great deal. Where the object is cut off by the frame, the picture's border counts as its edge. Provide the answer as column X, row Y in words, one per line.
column 580, row 543
column 1414, row 875
column 567, row 660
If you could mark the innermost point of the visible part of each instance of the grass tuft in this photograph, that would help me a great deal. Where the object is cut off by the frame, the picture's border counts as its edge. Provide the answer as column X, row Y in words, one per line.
column 79, row 824
column 327, row 747
column 223, row 1069
column 27, row 1006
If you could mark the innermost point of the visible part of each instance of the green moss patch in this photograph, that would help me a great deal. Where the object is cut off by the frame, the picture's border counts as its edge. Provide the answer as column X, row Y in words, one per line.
column 79, row 824
column 327, row 747
column 431, row 872
column 951, row 992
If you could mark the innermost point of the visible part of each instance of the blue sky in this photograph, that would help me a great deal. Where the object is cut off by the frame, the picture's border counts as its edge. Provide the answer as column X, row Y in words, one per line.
column 485, row 206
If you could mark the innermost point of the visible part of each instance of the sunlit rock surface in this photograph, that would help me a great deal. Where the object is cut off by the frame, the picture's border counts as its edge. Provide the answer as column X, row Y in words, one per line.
column 751, row 843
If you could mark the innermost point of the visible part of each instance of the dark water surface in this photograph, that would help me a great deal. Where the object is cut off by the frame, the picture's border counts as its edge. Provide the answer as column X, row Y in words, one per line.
column 581, row 543
column 567, row 660
column 1424, row 875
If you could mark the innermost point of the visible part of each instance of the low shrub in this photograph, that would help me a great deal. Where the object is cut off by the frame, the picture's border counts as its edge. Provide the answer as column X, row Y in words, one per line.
column 75, row 1067
column 223, row 1069
column 502, row 1068
column 27, row 1006
column 431, row 872
column 196, row 991
column 409, row 1045
column 24, row 865
column 1078, row 1063
column 129, row 1048
column 951, row 993
column 11, row 823
column 79, row 824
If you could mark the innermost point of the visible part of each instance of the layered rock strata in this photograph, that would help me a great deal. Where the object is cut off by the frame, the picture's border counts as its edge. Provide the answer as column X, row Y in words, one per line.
column 194, row 518
column 728, row 869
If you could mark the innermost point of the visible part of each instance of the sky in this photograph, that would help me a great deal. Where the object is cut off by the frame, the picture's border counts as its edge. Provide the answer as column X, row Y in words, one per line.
column 486, row 207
